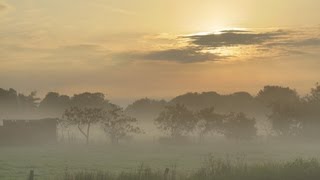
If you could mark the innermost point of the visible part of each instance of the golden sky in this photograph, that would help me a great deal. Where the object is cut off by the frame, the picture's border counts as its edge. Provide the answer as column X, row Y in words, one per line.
column 158, row 48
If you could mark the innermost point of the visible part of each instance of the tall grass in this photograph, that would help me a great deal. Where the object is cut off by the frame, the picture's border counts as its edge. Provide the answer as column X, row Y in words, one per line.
column 216, row 169
column 142, row 173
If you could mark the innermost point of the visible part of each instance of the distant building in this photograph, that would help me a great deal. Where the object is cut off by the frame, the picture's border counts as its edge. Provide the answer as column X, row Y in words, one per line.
column 28, row 132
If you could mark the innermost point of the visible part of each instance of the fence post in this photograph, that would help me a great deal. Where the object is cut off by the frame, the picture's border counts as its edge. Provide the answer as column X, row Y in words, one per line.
column 31, row 175
column 166, row 174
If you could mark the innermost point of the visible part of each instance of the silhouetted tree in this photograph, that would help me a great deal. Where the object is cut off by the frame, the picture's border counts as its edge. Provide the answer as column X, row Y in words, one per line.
column 239, row 126
column 54, row 104
column 118, row 125
column 146, row 108
column 176, row 120
column 236, row 102
column 285, row 105
column 83, row 118
column 197, row 101
column 231, row 125
column 92, row 100
column 209, row 121
column 311, row 113
column 8, row 102
column 315, row 93
column 17, row 104
column 29, row 102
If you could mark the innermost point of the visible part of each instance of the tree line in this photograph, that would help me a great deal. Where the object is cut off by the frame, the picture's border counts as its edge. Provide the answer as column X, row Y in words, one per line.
column 176, row 121
column 232, row 116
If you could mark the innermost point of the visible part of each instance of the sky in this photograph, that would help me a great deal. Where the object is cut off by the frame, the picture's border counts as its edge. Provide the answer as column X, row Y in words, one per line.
column 130, row 49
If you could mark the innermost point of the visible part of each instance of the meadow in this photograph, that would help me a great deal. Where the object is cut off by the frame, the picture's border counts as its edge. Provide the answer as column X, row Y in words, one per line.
column 187, row 161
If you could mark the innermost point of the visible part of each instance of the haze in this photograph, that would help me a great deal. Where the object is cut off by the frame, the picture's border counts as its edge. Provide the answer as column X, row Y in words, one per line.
column 159, row 89
column 139, row 48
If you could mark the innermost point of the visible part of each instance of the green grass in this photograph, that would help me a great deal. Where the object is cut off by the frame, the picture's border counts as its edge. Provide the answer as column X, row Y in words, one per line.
column 54, row 161
column 216, row 169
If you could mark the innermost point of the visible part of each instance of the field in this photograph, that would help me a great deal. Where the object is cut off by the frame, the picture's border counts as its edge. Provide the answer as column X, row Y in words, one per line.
column 51, row 162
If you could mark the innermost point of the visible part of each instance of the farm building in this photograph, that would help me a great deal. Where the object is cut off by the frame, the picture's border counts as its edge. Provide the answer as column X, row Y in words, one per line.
column 28, row 132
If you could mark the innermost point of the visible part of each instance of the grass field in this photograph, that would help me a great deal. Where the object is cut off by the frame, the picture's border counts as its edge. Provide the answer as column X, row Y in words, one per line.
column 216, row 169
column 51, row 162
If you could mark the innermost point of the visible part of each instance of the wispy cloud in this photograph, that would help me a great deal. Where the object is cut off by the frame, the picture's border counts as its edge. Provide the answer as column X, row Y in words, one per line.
column 180, row 55
column 308, row 42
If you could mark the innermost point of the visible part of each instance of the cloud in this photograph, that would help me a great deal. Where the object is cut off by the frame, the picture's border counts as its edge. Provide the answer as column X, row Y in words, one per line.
column 234, row 31
column 201, row 48
column 180, row 55
column 234, row 38
column 3, row 6
column 308, row 42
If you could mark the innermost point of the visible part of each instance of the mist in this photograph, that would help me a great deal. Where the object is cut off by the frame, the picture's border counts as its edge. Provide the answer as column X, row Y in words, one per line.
column 87, row 132
column 159, row 90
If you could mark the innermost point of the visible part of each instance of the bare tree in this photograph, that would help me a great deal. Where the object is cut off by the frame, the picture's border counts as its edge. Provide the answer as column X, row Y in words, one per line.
column 83, row 118
column 118, row 125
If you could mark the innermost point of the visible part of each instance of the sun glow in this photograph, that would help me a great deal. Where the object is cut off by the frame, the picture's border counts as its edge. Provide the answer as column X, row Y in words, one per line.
column 227, row 51
column 218, row 31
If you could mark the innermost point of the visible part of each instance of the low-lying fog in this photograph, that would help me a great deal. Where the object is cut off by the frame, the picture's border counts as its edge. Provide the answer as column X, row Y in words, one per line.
column 88, row 132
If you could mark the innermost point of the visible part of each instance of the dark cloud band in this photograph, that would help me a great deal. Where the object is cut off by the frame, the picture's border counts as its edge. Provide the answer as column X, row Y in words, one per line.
column 234, row 38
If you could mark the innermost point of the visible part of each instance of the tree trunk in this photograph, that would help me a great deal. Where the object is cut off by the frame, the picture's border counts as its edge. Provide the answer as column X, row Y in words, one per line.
column 86, row 135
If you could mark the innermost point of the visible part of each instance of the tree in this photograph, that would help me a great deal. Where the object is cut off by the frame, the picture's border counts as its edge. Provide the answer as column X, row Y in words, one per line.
column 274, row 95
column 285, row 105
column 118, row 125
column 83, row 118
column 311, row 113
column 8, row 102
column 54, row 104
column 17, row 104
column 231, row 125
column 146, row 108
column 28, row 102
column 176, row 120
column 90, row 100
column 239, row 126
column 209, row 121
column 314, row 94
column 236, row 102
